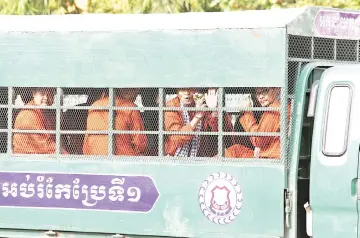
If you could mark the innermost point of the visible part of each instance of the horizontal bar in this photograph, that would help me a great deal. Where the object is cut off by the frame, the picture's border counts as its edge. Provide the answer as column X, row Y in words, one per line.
column 267, row 134
column 107, row 132
column 33, row 131
column 176, row 108
column 67, row 132
column 34, row 107
column 260, row 109
column 319, row 60
column 299, row 59
column 146, row 108
column 108, row 108
column 143, row 160
column 140, row 108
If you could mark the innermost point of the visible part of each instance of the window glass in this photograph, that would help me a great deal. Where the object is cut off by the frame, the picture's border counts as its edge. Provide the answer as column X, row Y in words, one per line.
column 337, row 120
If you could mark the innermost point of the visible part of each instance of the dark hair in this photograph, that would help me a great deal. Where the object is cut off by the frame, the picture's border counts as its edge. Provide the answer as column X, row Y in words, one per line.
column 104, row 92
column 43, row 89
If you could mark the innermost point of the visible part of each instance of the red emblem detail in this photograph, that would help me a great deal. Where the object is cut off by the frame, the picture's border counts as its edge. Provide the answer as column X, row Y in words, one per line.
column 220, row 198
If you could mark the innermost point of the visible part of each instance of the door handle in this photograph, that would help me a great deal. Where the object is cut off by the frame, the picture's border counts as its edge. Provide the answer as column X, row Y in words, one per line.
column 355, row 192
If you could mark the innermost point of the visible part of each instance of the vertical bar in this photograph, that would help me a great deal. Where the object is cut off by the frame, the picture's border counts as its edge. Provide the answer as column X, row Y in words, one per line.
column 298, row 72
column 312, row 48
column 58, row 120
column 357, row 51
column 111, row 122
column 283, row 121
column 284, row 140
column 283, row 107
column 289, row 127
column 10, row 115
column 335, row 44
column 220, row 122
column 161, row 122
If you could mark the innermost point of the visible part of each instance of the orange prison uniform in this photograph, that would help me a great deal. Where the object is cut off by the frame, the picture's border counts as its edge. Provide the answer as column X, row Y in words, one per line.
column 125, row 144
column 269, row 146
column 173, row 121
column 33, row 119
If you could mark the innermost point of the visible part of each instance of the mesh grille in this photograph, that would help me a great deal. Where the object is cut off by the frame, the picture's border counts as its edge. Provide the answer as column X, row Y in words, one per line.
column 3, row 96
column 3, row 119
column 324, row 48
column 293, row 70
column 3, row 130
column 302, row 50
column 170, row 122
column 300, row 47
column 346, row 50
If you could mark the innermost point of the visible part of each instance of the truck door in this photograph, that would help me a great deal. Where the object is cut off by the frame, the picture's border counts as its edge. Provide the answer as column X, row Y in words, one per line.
column 334, row 154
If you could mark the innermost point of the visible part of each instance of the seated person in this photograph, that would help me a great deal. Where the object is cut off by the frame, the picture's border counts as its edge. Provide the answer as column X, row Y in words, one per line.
column 149, row 98
column 188, row 121
column 36, row 119
column 98, row 120
column 265, row 146
column 76, row 120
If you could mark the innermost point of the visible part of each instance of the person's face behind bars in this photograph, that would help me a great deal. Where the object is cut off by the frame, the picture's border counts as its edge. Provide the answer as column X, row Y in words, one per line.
column 267, row 96
column 43, row 97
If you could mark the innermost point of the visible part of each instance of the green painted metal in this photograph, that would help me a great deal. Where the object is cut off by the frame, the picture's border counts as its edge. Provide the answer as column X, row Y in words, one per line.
column 295, row 142
column 247, row 53
column 127, row 55
column 36, row 234
column 220, row 54
column 333, row 179
column 223, row 58
column 176, row 213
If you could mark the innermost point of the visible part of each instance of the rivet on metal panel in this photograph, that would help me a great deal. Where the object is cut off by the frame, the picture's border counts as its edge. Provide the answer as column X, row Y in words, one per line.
column 51, row 233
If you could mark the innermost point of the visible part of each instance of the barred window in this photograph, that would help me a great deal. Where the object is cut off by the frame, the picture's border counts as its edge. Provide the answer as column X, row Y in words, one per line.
column 227, row 123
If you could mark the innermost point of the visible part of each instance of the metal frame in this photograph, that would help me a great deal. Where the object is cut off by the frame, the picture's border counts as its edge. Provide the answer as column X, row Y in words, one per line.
column 349, row 106
column 58, row 107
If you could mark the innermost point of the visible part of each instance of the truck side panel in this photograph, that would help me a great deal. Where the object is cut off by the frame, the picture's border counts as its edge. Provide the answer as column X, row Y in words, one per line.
column 176, row 212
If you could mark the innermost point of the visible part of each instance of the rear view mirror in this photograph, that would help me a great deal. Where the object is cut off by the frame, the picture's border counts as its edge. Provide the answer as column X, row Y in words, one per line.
column 312, row 100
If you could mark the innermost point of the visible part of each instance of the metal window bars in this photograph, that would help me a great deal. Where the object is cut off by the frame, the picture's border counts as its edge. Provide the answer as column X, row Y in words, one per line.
column 161, row 133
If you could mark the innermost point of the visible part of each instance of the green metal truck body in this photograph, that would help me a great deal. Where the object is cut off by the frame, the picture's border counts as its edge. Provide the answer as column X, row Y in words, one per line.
column 309, row 53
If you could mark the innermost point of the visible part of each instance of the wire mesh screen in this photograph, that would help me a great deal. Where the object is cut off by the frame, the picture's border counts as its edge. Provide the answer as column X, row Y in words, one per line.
column 303, row 49
column 3, row 119
column 346, row 50
column 215, row 123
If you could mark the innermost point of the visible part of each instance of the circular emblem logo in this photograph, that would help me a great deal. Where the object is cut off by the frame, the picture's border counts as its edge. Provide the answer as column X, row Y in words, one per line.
column 220, row 198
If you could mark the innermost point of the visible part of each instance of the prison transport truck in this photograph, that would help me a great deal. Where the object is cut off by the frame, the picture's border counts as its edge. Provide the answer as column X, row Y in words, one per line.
column 312, row 189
